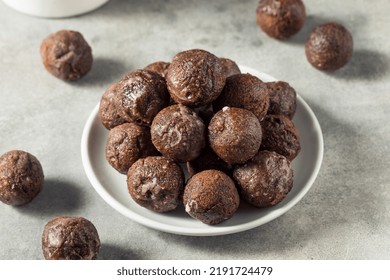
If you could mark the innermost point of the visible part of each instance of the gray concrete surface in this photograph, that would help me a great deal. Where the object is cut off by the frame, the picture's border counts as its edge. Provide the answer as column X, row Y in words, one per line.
column 346, row 214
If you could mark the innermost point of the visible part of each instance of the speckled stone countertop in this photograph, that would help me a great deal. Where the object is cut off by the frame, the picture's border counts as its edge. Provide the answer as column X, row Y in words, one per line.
column 345, row 215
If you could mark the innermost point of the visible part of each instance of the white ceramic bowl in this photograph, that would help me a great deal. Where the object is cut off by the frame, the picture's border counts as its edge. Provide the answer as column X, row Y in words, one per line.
column 112, row 187
column 54, row 8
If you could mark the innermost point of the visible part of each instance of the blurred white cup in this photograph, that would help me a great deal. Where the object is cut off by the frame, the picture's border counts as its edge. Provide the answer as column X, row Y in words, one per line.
column 54, row 8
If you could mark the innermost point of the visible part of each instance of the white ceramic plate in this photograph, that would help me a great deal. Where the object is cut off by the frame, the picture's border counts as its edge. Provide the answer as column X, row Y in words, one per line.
column 54, row 8
column 112, row 187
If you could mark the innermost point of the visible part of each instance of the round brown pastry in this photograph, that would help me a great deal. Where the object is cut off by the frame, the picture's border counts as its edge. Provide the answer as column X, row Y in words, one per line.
column 283, row 99
column 235, row 134
column 329, row 46
column 156, row 183
column 280, row 19
column 160, row 67
column 141, row 95
column 265, row 180
column 21, row 177
column 195, row 78
column 178, row 133
column 230, row 68
column 244, row 91
column 211, row 197
column 66, row 55
column 207, row 160
column 127, row 143
column 108, row 111
column 70, row 238
column 281, row 136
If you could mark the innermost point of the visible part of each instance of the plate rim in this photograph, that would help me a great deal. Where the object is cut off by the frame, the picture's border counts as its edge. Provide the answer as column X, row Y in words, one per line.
column 209, row 230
